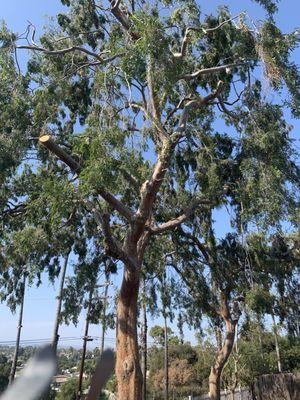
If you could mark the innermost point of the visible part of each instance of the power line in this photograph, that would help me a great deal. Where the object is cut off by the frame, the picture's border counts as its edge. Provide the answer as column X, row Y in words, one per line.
column 61, row 339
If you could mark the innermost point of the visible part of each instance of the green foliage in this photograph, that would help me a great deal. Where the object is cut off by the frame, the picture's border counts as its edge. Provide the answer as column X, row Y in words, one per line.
column 4, row 372
column 269, row 5
column 158, row 335
column 68, row 390
column 260, row 301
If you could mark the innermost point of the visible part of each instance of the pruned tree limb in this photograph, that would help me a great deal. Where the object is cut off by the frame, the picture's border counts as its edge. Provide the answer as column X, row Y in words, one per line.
column 61, row 154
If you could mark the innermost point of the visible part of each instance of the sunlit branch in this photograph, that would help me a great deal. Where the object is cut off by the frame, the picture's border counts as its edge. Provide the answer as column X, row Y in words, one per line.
column 212, row 70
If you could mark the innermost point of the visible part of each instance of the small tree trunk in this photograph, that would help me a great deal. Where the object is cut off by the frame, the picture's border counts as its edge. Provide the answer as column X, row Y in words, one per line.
column 103, row 325
column 144, row 342
column 16, row 353
column 55, row 337
column 224, row 353
column 128, row 371
column 276, row 344
column 85, row 339
column 166, row 360
column 259, row 331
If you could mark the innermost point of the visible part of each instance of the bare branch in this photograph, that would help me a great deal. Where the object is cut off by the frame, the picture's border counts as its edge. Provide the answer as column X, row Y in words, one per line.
column 175, row 109
column 160, row 130
column 208, row 30
column 225, row 110
column 151, row 187
column 116, row 204
column 212, row 70
column 71, row 49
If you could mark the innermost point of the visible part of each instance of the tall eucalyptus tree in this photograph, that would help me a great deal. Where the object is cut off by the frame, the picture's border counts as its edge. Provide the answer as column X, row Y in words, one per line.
column 127, row 97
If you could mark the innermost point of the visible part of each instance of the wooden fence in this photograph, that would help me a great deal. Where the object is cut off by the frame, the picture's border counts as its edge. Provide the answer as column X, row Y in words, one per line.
column 277, row 387
column 265, row 387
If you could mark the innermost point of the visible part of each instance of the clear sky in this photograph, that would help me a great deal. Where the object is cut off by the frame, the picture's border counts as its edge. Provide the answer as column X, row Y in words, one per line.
column 40, row 305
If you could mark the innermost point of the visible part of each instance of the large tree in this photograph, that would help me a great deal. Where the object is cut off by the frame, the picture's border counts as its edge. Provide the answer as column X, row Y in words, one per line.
column 127, row 98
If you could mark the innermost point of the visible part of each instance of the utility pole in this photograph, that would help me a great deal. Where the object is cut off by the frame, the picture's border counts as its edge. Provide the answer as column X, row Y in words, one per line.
column 16, row 353
column 59, row 303
column 85, row 340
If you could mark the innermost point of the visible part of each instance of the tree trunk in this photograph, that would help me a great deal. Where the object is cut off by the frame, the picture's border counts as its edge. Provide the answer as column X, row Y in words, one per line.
column 104, row 315
column 276, row 344
column 59, row 303
column 144, row 342
column 85, row 339
column 128, row 371
column 224, row 353
column 259, row 331
column 16, row 353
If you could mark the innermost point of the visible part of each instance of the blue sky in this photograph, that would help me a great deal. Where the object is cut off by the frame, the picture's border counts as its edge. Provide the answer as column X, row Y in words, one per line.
column 40, row 303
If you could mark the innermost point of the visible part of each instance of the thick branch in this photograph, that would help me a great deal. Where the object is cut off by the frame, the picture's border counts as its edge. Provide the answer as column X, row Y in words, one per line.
column 113, row 247
column 62, row 155
column 153, row 101
column 150, row 188
column 184, row 45
column 75, row 167
column 212, row 70
column 197, row 102
column 122, row 18
column 224, row 307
